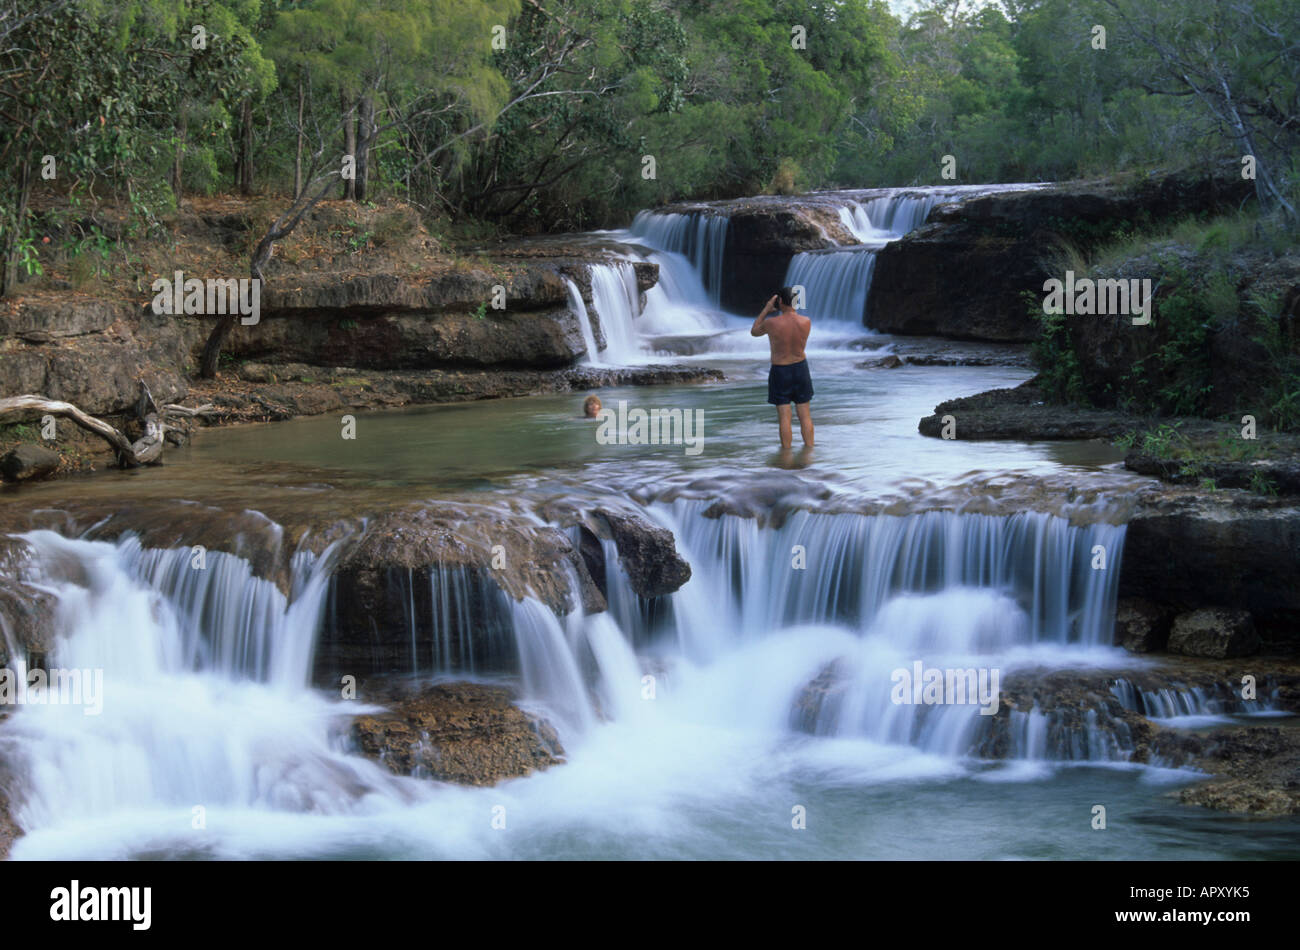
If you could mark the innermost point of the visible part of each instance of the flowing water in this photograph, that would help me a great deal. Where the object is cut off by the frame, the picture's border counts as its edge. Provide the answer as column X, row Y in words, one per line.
column 704, row 724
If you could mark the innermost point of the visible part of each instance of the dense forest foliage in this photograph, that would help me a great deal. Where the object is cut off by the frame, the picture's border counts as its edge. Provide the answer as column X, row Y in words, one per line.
column 561, row 114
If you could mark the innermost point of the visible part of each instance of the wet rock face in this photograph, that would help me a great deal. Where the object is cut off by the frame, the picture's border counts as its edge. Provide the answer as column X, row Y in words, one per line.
column 1191, row 550
column 648, row 553
column 764, row 233
column 1087, row 713
column 9, row 830
column 761, row 241
column 1257, row 768
column 965, row 273
column 28, row 462
column 1214, row 632
column 468, row 733
column 430, row 587
column 1141, row 626
column 543, row 339
column 26, row 621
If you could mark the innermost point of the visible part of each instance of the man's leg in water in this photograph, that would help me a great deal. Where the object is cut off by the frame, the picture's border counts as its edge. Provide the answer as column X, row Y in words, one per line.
column 805, row 424
column 783, row 418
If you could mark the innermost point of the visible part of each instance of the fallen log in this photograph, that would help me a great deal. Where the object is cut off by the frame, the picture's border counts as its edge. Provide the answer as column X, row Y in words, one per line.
column 148, row 450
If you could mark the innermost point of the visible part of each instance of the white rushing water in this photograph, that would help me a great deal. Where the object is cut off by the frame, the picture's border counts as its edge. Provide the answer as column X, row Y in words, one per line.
column 579, row 308
column 205, row 699
column 700, row 238
column 617, row 301
column 206, row 703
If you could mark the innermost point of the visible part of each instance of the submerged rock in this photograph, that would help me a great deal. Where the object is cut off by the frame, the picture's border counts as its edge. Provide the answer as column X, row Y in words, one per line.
column 1214, row 632
column 468, row 733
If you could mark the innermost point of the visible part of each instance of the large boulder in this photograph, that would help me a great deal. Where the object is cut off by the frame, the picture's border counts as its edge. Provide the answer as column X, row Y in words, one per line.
column 1140, row 625
column 431, row 587
column 1216, row 632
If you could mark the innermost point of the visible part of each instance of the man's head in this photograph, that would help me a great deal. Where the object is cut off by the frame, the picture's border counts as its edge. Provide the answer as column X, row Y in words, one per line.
column 785, row 296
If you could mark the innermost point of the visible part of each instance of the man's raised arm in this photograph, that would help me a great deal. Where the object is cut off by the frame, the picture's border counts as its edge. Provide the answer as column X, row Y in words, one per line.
column 757, row 329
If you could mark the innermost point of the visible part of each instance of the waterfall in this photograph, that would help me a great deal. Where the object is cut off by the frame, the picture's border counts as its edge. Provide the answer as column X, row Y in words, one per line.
column 1189, row 705
column 856, row 563
column 616, row 302
column 698, row 236
column 616, row 299
column 677, row 304
column 579, row 308
column 890, row 216
column 797, row 626
column 835, row 284
column 205, row 701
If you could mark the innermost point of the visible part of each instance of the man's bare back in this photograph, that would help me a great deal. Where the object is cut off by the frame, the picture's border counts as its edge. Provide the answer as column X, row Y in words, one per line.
column 787, row 333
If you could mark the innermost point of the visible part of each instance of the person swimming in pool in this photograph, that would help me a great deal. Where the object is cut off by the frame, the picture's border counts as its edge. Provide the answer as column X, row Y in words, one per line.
column 788, row 381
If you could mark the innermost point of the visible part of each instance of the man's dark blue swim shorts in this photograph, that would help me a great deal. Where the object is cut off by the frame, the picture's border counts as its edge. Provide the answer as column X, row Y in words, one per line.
column 791, row 383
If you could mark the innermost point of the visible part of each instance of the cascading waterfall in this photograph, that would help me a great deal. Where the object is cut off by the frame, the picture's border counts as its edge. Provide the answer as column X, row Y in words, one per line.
column 205, row 698
column 1189, row 702
column 888, row 217
column 800, row 625
column 579, row 308
column 856, row 563
column 953, row 591
column 699, row 237
column 835, row 284
column 616, row 298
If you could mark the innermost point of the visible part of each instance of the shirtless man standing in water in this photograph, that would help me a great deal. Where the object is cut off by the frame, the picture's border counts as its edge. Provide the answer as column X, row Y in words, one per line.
column 788, row 381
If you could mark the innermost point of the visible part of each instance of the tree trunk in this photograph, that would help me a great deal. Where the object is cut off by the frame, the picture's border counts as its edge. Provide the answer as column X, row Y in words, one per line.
column 349, row 142
column 366, row 110
column 179, row 157
column 297, row 158
column 9, row 274
column 245, row 161
column 212, row 349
